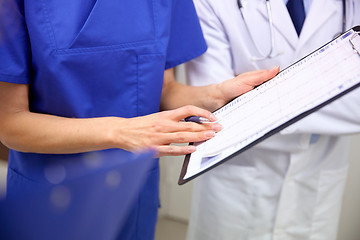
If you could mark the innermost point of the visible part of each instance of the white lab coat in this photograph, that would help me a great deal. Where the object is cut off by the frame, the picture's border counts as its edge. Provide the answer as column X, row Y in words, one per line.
column 290, row 186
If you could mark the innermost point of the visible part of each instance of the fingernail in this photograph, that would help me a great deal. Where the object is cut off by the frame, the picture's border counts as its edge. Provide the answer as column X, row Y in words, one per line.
column 217, row 127
column 212, row 118
column 276, row 68
column 191, row 149
column 209, row 134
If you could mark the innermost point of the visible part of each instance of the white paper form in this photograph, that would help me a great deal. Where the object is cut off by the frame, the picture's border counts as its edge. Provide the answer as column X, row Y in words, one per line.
column 305, row 85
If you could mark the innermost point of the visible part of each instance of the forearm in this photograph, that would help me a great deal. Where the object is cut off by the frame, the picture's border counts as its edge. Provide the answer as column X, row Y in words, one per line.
column 212, row 96
column 175, row 95
column 178, row 95
column 40, row 133
column 27, row 131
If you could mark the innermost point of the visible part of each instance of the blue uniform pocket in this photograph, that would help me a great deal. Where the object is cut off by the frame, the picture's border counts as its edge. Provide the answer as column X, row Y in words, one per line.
column 96, row 83
column 95, row 23
column 88, row 84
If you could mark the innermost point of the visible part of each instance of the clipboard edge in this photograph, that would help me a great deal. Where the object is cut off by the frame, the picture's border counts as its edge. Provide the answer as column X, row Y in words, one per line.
column 267, row 135
column 182, row 181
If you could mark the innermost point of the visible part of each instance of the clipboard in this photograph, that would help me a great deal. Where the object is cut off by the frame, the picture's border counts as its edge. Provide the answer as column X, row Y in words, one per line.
column 332, row 71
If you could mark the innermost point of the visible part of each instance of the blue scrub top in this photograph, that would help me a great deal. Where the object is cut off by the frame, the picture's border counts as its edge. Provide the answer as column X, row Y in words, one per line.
column 94, row 58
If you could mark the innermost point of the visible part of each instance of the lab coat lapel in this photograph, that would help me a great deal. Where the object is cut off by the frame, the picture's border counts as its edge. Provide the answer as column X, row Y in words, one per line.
column 281, row 20
column 320, row 11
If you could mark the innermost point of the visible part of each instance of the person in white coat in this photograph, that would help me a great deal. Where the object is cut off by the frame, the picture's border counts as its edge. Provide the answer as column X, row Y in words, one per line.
column 289, row 186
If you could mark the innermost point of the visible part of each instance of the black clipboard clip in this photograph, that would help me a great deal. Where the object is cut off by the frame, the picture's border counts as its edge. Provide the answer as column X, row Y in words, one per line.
column 355, row 42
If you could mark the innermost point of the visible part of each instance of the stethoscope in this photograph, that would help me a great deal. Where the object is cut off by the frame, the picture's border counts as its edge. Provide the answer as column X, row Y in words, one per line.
column 271, row 54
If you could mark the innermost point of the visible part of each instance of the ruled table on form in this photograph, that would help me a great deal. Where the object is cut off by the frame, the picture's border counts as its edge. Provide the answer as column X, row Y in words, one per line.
column 305, row 85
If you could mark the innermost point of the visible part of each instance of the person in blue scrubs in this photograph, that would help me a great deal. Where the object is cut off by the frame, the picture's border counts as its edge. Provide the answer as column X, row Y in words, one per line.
column 86, row 77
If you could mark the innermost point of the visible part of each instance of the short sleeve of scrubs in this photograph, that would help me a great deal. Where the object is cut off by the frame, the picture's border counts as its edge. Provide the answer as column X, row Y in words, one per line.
column 14, row 43
column 186, row 40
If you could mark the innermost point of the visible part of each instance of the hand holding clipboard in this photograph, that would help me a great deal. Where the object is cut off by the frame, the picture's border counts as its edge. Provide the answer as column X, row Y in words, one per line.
column 302, row 88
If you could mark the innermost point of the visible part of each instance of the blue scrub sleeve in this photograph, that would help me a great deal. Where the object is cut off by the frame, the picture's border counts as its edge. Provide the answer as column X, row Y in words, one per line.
column 14, row 43
column 186, row 39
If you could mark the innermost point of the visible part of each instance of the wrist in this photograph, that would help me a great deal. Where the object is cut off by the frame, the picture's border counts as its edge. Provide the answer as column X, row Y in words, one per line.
column 217, row 96
column 112, row 135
